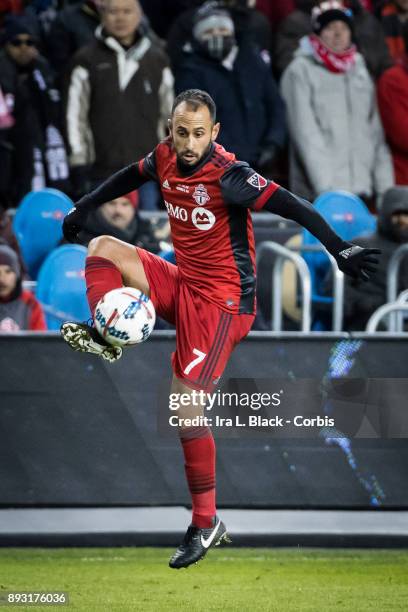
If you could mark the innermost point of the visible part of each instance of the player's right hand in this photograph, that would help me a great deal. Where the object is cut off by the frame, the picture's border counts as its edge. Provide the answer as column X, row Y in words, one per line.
column 357, row 262
column 73, row 223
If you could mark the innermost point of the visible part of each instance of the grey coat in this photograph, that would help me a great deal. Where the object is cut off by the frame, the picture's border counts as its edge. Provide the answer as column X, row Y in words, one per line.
column 337, row 140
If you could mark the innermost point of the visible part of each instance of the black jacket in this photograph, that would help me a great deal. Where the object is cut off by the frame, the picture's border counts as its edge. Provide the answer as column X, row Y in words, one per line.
column 249, row 106
column 117, row 102
column 36, row 108
column 73, row 28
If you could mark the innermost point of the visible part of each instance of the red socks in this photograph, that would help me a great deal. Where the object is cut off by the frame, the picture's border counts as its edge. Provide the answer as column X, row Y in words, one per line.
column 199, row 456
column 101, row 277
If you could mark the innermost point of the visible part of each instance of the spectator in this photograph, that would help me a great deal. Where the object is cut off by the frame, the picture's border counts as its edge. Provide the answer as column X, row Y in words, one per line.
column 73, row 28
column 361, row 299
column 30, row 10
column 7, row 123
column 8, row 237
column 393, row 16
column 393, row 104
column 249, row 106
column 337, row 141
column 119, row 218
column 249, row 24
column 18, row 308
column 31, row 145
column 119, row 96
column 368, row 34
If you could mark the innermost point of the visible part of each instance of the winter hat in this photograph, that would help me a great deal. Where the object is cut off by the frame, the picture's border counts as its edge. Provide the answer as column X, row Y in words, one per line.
column 133, row 198
column 329, row 11
column 212, row 18
column 15, row 25
column 8, row 257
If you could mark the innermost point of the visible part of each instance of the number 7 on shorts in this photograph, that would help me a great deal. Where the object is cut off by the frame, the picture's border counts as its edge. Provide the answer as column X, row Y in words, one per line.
column 200, row 357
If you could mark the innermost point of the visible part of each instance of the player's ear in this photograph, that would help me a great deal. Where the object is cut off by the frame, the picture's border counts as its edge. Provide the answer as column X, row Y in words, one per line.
column 169, row 125
column 215, row 130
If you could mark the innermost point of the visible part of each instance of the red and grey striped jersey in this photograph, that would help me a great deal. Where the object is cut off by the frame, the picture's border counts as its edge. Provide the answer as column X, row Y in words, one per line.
column 211, row 225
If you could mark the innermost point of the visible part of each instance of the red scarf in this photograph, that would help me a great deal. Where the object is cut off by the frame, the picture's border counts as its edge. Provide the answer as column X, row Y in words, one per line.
column 335, row 62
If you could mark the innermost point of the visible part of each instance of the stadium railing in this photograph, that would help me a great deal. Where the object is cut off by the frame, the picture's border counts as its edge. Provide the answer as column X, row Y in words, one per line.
column 292, row 254
column 338, row 286
column 400, row 305
column 394, row 320
column 282, row 254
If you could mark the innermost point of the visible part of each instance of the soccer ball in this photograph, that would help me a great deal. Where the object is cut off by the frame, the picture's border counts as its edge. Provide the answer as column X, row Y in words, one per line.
column 125, row 316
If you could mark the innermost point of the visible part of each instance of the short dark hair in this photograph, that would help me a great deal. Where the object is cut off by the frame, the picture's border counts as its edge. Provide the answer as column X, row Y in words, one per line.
column 196, row 98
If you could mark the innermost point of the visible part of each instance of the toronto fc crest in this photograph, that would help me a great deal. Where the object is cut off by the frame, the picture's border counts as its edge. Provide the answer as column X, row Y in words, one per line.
column 200, row 195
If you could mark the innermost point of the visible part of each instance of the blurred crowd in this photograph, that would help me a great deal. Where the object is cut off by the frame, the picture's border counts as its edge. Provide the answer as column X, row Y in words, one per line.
column 313, row 94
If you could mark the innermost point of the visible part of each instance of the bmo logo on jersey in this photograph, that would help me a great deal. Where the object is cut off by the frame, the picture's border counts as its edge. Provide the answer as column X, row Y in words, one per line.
column 202, row 218
column 176, row 211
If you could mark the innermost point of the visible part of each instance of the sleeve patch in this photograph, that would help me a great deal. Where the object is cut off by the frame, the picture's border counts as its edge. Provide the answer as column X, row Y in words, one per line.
column 242, row 186
column 257, row 181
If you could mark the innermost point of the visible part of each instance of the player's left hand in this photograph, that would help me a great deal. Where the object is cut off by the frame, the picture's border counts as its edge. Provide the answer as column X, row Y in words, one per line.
column 358, row 262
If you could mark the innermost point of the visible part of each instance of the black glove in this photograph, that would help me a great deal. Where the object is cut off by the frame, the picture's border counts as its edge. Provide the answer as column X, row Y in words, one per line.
column 73, row 223
column 356, row 261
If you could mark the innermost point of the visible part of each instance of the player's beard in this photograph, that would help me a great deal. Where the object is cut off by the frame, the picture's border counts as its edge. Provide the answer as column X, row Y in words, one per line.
column 190, row 167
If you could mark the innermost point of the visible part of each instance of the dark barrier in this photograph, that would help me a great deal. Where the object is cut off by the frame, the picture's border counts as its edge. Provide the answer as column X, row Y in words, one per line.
column 75, row 431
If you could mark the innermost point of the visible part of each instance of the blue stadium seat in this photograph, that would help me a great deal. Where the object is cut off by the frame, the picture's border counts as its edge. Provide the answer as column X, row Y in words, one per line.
column 168, row 256
column 61, row 286
column 349, row 217
column 37, row 225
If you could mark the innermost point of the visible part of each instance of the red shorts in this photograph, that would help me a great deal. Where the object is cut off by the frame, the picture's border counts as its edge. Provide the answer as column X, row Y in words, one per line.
column 206, row 335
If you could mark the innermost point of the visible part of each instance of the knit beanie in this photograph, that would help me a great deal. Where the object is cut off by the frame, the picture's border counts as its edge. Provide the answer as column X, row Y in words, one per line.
column 8, row 257
column 15, row 25
column 329, row 11
column 212, row 18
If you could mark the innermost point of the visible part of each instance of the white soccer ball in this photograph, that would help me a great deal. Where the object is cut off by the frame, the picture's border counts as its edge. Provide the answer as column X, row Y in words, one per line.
column 125, row 316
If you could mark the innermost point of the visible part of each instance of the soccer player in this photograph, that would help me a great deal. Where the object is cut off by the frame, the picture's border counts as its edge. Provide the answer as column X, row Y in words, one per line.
column 210, row 294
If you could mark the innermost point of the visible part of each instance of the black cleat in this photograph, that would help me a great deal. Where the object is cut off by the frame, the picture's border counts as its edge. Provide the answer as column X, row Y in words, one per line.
column 196, row 543
column 84, row 338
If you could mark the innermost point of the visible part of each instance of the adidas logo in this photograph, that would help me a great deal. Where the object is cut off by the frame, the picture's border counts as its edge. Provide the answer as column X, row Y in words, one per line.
column 346, row 253
column 166, row 184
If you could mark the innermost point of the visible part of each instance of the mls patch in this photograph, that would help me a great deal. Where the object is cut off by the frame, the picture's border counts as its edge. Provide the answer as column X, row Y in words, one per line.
column 257, row 181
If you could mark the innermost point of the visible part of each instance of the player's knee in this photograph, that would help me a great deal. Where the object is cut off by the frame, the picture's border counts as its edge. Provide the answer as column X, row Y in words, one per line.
column 102, row 246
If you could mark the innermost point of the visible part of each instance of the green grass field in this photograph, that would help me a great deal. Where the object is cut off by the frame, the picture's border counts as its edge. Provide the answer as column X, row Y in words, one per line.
column 99, row 579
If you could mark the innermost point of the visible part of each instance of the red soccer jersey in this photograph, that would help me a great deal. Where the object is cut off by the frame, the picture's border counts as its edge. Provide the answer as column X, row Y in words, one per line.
column 211, row 223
